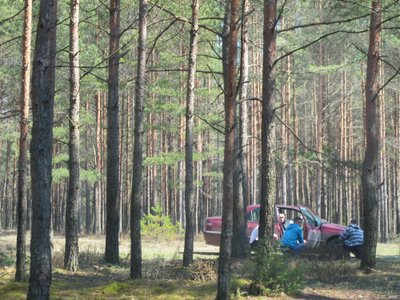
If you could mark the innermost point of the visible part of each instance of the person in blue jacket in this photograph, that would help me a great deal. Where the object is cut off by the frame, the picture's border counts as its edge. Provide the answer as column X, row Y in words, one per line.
column 293, row 236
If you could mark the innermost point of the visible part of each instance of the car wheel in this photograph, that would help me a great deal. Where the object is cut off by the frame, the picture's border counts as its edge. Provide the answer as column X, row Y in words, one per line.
column 335, row 249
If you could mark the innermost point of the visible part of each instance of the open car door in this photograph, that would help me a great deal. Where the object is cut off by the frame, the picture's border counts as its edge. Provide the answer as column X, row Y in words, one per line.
column 312, row 230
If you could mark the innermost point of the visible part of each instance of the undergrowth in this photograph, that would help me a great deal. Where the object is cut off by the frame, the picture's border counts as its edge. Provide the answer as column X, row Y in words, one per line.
column 159, row 227
column 331, row 272
column 276, row 273
column 7, row 256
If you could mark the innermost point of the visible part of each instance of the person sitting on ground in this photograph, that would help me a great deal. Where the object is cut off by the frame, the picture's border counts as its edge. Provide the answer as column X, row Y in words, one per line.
column 353, row 239
column 293, row 236
column 254, row 237
column 283, row 221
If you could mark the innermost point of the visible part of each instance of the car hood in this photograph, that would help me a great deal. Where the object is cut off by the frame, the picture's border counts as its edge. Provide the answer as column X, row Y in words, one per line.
column 330, row 227
column 211, row 219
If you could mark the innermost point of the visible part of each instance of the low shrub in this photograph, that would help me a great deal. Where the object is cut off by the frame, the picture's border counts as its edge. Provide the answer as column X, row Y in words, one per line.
column 7, row 257
column 158, row 226
column 6, row 260
column 276, row 273
column 332, row 271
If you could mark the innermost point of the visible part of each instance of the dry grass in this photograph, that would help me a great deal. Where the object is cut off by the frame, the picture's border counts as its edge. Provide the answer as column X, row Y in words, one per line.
column 164, row 277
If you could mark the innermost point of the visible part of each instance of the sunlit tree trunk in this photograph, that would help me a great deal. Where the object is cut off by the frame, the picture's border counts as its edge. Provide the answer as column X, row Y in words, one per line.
column 190, row 97
column 20, row 268
column 383, row 177
column 71, row 257
column 136, row 244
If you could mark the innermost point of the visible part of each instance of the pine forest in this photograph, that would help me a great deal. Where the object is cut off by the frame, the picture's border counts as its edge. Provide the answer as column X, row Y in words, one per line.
column 123, row 109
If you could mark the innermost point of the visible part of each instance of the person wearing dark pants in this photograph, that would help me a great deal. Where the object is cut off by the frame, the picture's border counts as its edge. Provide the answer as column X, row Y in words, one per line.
column 353, row 239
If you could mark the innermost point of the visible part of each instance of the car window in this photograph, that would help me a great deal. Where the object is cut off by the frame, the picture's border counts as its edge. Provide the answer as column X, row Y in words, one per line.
column 311, row 218
column 289, row 214
column 254, row 215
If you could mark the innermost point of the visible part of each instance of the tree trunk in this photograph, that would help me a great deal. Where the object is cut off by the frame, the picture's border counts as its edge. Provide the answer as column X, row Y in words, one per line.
column 20, row 267
column 97, row 185
column 136, row 243
column 266, row 199
column 71, row 262
column 189, row 201
column 88, row 206
column 230, row 117
column 370, row 163
column 43, row 79
column 112, row 223
column 383, row 177
column 240, row 247
column 296, row 168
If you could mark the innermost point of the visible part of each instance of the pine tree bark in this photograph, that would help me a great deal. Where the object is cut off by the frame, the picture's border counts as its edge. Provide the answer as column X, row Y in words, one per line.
column 190, row 98
column 20, row 267
column 370, row 163
column 71, row 258
column 88, row 206
column 43, row 81
column 240, row 246
column 224, row 272
column 136, row 243
column 97, row 185
column 296, row 168
column 266, row 198
column 383, row 177
column 112, row 222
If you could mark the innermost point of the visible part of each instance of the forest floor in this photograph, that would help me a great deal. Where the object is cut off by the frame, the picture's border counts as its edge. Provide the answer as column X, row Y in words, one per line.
column 165, row 278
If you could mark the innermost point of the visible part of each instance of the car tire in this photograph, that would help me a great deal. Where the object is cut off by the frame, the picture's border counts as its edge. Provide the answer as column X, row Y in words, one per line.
column 335, row 249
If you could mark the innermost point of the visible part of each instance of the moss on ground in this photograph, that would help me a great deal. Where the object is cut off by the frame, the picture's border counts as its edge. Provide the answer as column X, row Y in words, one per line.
column 165, row 278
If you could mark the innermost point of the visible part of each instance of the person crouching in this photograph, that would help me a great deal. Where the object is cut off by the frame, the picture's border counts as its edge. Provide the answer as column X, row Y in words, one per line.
column 353, row 239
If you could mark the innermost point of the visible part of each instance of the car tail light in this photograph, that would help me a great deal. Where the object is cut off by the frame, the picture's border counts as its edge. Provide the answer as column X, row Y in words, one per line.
column 208, row 225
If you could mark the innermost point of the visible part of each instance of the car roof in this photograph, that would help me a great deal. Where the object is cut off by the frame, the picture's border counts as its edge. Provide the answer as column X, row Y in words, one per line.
column 254, row 206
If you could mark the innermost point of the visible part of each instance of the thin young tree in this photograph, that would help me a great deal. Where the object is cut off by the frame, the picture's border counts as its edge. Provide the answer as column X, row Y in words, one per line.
column 370, row 163
column 224, row 263
column 20, row 267
column 41, row 149
column 240, row 247
column 71, row 258
column 137, row 176
column 112, row 222
column 97, row 195
column 268, row 89
column 189, row 201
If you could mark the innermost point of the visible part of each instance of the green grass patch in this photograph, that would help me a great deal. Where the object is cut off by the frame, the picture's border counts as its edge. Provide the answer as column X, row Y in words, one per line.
column 164, row 277
column 14, row 290
column 392, row 249
column 139, row 289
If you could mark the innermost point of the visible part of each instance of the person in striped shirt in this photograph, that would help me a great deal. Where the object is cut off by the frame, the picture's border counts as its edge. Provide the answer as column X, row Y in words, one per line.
column 353, row 239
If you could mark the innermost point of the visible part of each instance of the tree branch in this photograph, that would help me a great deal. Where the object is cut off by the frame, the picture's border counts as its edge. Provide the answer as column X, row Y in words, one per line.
column 315, row 41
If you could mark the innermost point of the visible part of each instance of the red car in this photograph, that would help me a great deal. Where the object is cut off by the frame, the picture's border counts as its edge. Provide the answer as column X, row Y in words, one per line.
column 318, row 233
